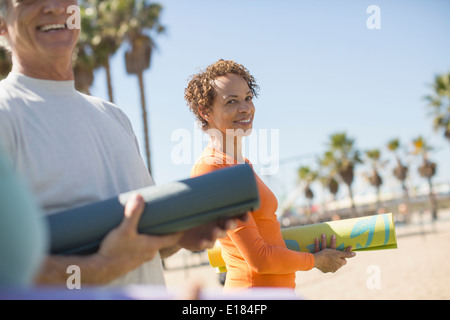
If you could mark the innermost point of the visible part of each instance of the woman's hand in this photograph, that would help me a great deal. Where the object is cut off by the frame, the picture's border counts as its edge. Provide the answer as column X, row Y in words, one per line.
column 204, row 236
column 330, row 259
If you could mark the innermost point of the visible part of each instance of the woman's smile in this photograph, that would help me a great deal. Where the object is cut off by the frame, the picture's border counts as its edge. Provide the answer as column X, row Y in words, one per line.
column 245, row 122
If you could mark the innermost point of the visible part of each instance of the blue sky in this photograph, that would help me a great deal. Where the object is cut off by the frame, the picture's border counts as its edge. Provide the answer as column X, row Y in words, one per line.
column 320, row 71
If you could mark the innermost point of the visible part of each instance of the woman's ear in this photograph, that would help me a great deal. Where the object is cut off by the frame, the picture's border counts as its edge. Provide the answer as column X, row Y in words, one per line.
column 203, row 112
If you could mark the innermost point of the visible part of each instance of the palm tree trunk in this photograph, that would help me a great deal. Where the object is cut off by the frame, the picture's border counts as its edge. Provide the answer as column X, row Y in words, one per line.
column 353, row 210
column 407, row 202
column 433, row 201
column 144, row 118
column 378, row 199
column 109, row 81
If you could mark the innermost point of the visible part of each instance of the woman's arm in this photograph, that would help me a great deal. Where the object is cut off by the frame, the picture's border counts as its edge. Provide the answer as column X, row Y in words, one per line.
column 265, row 258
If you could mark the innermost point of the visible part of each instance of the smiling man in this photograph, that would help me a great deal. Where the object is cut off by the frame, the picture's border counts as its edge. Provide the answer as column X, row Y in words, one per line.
column 37, row 34
column 75, row 149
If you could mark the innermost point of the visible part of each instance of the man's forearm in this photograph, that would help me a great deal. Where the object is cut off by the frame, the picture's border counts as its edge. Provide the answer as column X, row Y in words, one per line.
column 94, row 270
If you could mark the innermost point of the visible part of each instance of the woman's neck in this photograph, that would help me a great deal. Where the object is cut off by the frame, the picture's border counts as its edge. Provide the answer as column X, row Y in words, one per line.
column 230, row 145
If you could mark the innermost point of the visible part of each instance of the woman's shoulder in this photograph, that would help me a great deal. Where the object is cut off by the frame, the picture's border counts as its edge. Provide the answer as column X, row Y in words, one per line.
column 209, row 160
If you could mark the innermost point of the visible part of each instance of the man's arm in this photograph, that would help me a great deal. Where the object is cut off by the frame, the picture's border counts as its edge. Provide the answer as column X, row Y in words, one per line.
column 122, row 250
column 94, row 269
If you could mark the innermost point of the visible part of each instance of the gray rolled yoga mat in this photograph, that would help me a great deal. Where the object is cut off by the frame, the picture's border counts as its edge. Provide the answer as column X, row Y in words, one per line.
column 169, row 208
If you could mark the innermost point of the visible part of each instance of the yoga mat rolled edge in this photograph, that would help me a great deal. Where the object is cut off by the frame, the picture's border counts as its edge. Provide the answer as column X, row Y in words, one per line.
column 169, row 208
column 376, row 232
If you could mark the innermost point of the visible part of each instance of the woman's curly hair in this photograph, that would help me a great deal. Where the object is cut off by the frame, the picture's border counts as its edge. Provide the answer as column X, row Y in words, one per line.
column 200, row 90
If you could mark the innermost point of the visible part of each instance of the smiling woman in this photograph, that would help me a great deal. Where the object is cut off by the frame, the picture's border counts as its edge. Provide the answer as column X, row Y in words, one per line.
column 201, row 89
column 235, row 100
column 221, row 97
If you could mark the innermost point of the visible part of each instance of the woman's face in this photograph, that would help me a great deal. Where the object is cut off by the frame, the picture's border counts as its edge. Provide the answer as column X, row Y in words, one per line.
column 232, row 108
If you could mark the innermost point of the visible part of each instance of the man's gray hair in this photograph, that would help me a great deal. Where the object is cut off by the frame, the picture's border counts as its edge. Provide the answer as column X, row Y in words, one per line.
column 4, row 6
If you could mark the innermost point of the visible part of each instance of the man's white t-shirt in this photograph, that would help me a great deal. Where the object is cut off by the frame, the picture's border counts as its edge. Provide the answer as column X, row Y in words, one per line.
column 72, row 149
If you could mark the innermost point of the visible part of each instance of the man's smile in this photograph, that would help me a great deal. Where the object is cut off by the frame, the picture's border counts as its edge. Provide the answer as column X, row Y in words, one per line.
column 52, row 27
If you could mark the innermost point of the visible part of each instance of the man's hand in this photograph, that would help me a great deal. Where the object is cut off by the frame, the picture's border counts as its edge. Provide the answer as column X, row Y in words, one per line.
column 128, row 247
column 330, row 259
column 122, row 250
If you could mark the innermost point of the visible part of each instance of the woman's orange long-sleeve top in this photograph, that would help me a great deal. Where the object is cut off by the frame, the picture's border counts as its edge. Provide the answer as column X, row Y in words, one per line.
column 255, row 253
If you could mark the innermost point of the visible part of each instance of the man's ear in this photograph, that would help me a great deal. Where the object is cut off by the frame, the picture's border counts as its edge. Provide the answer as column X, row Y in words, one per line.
column 203, row 112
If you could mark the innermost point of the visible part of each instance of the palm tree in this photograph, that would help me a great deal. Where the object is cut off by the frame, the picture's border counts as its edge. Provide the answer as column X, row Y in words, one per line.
column 327, row 162
column 328, row 173
column 101, row 33
column 5, row 63
column 112, row 21
column 143, row 17
column 346, row 157
column 307, row 176
column 427, row 169
column 439, row 102
column 83, row 69
column 87, row 54
column 106, row 24
column 83, row 59
column 401, row 172
column 104, row 46
column 374, row 178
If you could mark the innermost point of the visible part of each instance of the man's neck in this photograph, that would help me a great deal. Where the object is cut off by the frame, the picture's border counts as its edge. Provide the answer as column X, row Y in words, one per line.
column 57, row 70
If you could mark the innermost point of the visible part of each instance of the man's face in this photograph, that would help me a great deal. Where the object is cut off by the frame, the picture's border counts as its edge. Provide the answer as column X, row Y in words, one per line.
column 37, row 29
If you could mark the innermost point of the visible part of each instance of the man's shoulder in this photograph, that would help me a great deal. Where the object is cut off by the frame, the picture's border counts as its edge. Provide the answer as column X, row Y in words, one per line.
column 104, row 105
column 7, row 91
column 110, row 109
column 97, row 101
column 9, row 94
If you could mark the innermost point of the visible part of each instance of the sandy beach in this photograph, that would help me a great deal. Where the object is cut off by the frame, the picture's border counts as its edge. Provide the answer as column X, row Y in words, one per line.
column 418, row 270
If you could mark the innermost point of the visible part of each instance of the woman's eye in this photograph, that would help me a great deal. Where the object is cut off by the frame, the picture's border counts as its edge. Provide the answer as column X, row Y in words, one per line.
column 231, row 101
column 249, row 98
